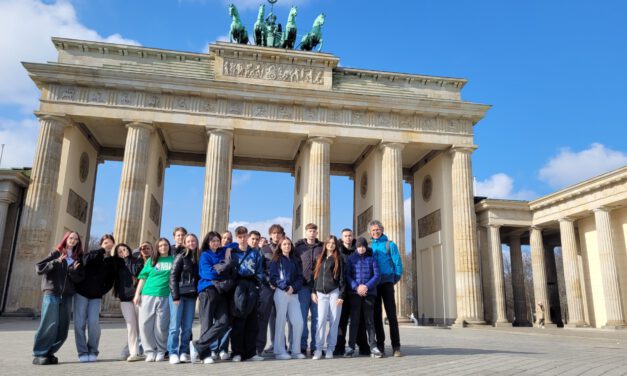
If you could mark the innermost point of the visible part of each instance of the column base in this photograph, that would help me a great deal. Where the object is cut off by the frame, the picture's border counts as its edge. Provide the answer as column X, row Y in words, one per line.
column 546, row 325
column 468, row 323
column 502, row 324
column 615, row 325
column 573, row 325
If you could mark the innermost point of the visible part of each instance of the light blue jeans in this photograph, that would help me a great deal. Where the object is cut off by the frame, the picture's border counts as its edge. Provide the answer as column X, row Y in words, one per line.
column 86, row 317
column 181, row 320
column 54, row 324
column 306, row 307
column 328, row 310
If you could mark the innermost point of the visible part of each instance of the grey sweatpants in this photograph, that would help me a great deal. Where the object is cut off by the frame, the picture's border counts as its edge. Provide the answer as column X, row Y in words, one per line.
column 154, row 321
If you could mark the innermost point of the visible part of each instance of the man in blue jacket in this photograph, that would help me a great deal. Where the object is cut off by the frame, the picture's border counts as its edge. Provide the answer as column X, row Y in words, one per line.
column 390, row 265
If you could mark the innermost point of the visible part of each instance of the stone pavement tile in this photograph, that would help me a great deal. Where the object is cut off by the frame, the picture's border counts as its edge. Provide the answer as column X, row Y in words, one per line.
column 427, row 351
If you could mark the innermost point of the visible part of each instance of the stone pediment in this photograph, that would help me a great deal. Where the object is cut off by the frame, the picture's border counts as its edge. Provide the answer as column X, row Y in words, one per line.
column 269, row 66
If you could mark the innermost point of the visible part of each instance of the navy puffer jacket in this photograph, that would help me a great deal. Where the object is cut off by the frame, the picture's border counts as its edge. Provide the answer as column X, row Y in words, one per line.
column 362, row 270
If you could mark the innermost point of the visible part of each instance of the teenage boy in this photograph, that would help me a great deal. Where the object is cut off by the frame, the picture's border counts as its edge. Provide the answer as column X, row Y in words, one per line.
column 266, row 295
column 308, row 250
column 388, row 259
column 347, row 248
column 246, row 295
column 179, row 234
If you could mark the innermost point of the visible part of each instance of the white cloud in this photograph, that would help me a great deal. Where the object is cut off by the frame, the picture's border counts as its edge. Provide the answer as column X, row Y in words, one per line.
column 26, row 27
column 264, row 225
column 19, row 139
column 570, row 167
column 500, row 186
column 240, row 178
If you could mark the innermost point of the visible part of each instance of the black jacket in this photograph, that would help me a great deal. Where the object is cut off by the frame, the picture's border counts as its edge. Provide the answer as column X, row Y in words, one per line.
column 183, row 269
column 326, row 281
column 126, row 272
column 99, row 275
column 308, row 254
column 57, row 278
column 267, row 251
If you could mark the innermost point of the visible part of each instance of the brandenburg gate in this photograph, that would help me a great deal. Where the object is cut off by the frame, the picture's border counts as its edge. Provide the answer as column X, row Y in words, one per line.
column 255, row 108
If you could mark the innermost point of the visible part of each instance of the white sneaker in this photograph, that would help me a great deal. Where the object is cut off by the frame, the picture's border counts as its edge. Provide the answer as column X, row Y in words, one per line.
column 150, row 357
column 317, row 355
column 257, row 358
column 328, row 355
column 208, row 360
column 214, row 356
column 83, row 358
column 299, row 356
column 283, row 356
column 160, row 357
column 237, row 358
column 174, row 359
column 224, row 355
column 92, row 357
column 193, row 354
column 184, row 358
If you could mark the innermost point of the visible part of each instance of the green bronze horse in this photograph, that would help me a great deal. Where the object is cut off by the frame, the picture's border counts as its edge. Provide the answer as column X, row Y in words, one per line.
column 260, row 29
column 289, row 35
column 238, row 31
column 314, row 37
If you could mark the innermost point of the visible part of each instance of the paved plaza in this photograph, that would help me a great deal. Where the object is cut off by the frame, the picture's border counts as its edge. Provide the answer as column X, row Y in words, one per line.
column 428, row 351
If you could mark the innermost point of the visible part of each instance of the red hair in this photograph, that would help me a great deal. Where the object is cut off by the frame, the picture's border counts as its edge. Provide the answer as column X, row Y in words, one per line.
column 335, row 255
column 77, row 252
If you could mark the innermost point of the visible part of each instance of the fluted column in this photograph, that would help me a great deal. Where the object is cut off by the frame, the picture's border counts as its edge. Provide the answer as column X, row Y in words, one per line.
column 392, row 213
column 538, row 268
column 496, row 257
column 217, row 196
column 317, row 200
column 518, row 282
column 40, row 213
column 609, row 274
column 467, row 269
column 129, row 213
column 571, row 273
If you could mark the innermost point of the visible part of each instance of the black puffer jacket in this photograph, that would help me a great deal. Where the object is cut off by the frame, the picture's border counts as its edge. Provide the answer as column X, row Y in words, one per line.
column 57, row 278
column 184, row 269
column 327, row 281
column 99, row 275
column 126, row 272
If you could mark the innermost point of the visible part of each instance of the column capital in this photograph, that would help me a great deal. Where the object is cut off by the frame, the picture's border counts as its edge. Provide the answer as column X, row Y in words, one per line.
column 322, row 139
column 602, row 209
column 140, row 124
column 467, row 149
column 493, row 225
column 566, row 220
column 391, row 145
column 537, row 228
column 58, row 117
column 224, row 131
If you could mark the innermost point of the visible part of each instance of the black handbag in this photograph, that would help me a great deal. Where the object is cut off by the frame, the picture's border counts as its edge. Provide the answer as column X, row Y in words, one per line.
column 226, row 269
column 187, row 286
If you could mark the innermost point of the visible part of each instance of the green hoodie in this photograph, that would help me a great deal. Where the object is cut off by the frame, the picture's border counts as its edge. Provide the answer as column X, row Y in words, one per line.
column 157, row 277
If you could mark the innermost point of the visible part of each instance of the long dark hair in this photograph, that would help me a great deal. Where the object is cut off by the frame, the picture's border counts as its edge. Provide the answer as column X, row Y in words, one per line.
column 335, row 255
column 276, row 256
column 154, row 256
column 78, row 248
column 207, row 239
column 117, row 246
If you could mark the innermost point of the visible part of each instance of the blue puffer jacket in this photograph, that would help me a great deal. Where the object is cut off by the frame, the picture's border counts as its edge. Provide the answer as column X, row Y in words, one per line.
column 205, row 267
column 390, row 264
column 292, row 273
column 362, row 270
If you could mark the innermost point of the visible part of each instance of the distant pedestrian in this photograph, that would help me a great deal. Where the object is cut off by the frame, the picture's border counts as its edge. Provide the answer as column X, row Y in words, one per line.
column 540, row 315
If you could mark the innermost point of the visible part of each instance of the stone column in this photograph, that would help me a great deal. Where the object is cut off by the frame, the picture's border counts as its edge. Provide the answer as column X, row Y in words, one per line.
column 571, row 273
column 129, row 213
column 317, row 200
column 609, row 274
column 392, row 214
column 217, row 196
column 467, row 270
column 496, row 257
column 40, row 213
column 538, row 268
column 518, row 282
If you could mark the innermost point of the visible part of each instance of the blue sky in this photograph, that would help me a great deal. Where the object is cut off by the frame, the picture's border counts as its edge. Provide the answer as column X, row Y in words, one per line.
column 554, row 72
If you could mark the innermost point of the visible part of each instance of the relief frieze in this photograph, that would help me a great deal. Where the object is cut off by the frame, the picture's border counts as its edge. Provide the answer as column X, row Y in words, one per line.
column 273, row 71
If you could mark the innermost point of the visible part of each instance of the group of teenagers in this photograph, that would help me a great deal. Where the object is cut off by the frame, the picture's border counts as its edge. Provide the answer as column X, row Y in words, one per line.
column 239, row 286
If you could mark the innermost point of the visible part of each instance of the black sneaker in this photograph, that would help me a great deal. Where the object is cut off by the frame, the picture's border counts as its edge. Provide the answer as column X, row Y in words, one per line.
column 349, row 352
column 53, row 359
column 41, row 361
column 375, row 353
column 338, row 352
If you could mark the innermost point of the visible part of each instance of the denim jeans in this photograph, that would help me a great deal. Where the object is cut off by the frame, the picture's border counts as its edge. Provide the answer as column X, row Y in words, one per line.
column 307, row 306
column 86, row 317
column 54, row 324
column 181, row 320
column 328, row 310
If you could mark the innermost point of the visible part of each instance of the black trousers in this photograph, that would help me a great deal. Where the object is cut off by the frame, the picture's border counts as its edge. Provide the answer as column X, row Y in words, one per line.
column 362, row 306
column 213, row 314
column 385, row 295
column 266, row 315
column 342, row 332
column 244, row 335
